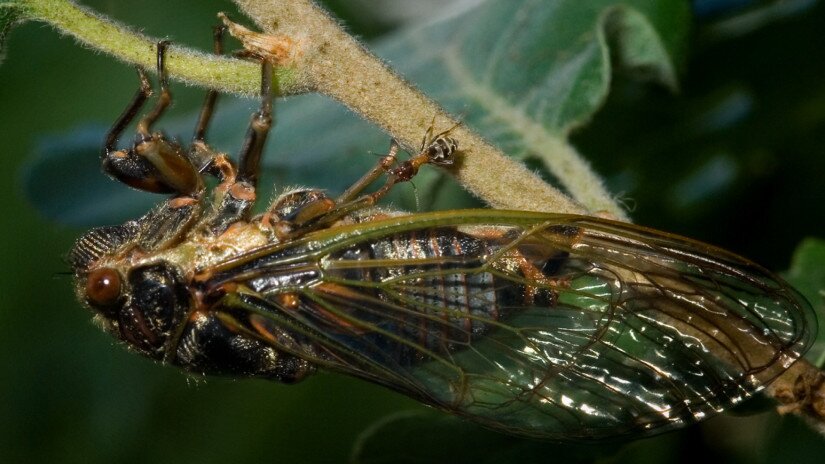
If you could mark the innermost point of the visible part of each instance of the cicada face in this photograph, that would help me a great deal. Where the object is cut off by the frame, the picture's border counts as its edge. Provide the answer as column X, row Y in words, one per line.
column 139, row 287
column 140, row 305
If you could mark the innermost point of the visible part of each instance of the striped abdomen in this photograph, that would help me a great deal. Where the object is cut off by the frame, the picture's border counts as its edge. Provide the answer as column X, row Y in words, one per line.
column 432, row 289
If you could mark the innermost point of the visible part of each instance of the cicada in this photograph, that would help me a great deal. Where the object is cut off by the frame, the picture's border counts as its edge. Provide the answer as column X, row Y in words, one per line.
column 542, row 325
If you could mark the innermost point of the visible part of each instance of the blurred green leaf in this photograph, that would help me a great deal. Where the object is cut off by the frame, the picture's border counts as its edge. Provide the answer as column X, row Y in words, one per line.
column 425, row 437
column 548, row 62
column 793, row 441
column 742, row 142
column 807, row 274
column 544, row 62
column 10, row 13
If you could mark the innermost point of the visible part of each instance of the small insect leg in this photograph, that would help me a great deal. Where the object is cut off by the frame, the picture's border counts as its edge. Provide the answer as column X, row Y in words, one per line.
column 439, row 152
column 250, row 156
column 212, row 95
column 144, row 127
column 428, row 136
column 440, row 134
column 201, row 153
column 384, row 165
column 323, row 212
column 320, row 212
column 143, row 92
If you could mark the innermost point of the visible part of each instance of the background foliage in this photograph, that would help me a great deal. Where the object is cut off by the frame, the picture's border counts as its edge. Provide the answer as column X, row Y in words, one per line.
column 735, row 159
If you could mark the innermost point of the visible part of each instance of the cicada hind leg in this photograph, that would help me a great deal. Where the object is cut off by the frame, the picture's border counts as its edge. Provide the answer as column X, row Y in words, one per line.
column 236, row 194
column 299, row 212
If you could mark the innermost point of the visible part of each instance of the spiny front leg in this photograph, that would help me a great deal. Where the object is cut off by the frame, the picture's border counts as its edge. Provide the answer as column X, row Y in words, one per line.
column 153, row 163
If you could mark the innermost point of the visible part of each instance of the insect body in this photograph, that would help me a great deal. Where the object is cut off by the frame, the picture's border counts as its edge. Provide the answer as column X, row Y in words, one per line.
column 544, row 325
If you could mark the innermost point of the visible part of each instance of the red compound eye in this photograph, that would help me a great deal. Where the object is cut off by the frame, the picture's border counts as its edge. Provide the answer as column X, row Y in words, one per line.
column 103, row 287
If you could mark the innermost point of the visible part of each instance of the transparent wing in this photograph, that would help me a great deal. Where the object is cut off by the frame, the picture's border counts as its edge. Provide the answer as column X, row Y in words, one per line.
column 552, row 326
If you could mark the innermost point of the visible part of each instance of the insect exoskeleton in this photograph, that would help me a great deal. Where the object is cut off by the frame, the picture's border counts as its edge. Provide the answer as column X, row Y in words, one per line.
column 537, row 324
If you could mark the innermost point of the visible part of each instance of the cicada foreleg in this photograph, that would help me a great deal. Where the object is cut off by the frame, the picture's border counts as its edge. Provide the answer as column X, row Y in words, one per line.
column 300, row 212
column 152, row 163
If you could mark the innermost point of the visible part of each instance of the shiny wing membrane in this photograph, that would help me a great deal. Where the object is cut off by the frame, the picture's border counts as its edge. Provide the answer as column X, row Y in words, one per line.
column 552, row 326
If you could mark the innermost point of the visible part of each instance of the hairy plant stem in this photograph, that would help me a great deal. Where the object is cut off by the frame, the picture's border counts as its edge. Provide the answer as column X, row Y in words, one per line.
column 190, row 66
column 335, row 64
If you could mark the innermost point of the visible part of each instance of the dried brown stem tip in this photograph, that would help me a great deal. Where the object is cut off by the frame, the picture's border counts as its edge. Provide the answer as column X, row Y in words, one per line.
column 280, row 49
column 801, row 390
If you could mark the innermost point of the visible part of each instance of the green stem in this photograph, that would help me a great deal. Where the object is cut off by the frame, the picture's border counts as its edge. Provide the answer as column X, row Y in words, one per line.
column 190, row 66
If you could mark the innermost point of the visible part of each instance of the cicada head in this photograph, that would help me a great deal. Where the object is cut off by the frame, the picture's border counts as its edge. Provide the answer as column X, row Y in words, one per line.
column 140, row 305
column 146, row 301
